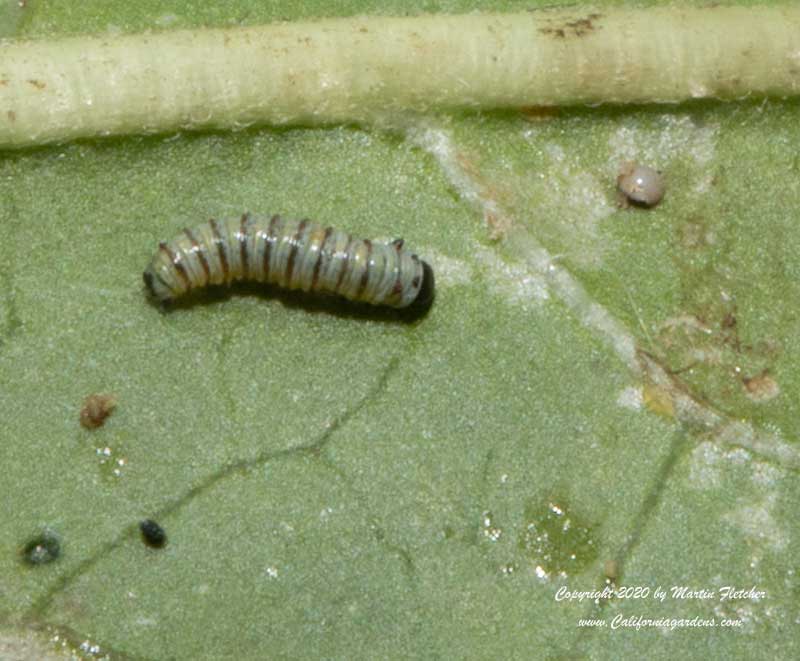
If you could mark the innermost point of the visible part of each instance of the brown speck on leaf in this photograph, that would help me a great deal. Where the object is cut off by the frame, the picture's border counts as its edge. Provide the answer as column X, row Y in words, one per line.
column 731, row 334
column 3, row 82
column 761, row 388
column 12, row 116
column 497, row 221
column 499, row 225
column 96, row 408
column 729, row 320
column 695, row 235
column 769, row 348
column 539, row 113
column 363, row 29
column 38, row 84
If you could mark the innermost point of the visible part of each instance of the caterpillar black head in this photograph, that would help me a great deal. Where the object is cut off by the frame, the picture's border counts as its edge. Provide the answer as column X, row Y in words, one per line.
column 427, row 291
column 148, row 284
column 155, row 288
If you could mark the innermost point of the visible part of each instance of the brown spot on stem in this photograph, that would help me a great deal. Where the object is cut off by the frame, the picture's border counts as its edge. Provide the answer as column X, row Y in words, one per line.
column 539, row 113
column 38, row 84
column 580, row 27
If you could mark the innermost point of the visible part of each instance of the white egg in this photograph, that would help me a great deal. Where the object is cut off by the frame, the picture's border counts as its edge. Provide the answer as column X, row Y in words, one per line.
column 640, row 184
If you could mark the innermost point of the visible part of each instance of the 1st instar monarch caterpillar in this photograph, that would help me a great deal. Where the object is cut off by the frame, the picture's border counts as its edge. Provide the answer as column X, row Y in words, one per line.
column 294, row 254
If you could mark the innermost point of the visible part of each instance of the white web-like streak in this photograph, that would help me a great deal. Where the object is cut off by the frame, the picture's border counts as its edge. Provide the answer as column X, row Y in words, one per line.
column 540, row 265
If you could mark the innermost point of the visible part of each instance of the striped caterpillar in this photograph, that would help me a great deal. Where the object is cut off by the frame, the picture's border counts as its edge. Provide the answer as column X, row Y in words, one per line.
column 294, row 254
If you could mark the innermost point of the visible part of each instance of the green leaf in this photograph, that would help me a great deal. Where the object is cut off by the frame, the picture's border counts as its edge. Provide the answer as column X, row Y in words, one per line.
column 598, row 395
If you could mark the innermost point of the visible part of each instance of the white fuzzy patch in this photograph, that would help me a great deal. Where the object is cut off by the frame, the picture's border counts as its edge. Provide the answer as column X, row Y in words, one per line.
column 631, row 398
column 536, row 274
column 676, row 137
column 579, row 195
column 712, row 466
column 440, row 145
column 708, row 462
column 567, row 194
column 757, row 523
column 762, row 442
column 514, row 282
column 449, row 271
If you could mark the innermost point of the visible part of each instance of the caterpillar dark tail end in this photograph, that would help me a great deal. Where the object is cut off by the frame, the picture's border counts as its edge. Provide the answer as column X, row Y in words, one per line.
column 427, row 292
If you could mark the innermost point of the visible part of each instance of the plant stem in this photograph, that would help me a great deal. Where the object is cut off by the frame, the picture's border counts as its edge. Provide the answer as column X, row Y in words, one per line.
column 365, row 68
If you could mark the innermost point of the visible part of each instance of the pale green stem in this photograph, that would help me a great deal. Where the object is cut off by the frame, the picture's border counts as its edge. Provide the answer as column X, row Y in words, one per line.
column 363, row 69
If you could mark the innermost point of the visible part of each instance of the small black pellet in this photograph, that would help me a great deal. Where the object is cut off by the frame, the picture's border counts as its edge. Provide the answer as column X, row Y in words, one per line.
column 41, row 550
column 153, row 534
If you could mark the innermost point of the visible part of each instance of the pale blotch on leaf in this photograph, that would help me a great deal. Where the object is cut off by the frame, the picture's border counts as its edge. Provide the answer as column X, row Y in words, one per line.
column 556, row 542
column 631, row 398
column 658, row 400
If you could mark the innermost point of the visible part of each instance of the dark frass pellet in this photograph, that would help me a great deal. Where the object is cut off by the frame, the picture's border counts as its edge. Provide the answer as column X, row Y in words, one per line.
column 153, row 534
column 41, row 550
column 96, row 408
